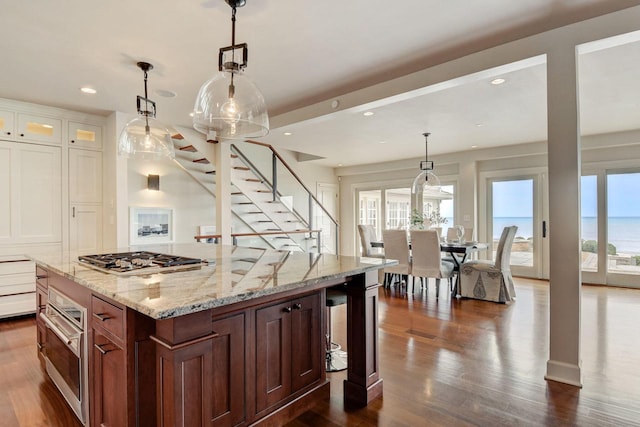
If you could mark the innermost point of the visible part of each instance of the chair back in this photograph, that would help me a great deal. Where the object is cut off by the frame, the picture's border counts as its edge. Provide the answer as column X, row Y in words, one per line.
column 452, row 234
column 396, row 246
column 503, row 253
column 425, row 251
column 367, row 235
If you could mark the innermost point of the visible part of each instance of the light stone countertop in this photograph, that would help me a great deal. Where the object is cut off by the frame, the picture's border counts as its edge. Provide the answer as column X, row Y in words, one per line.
column 233, row 274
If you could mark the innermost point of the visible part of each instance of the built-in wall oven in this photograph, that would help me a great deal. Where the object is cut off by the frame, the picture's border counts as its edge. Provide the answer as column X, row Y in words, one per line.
column 66, row 350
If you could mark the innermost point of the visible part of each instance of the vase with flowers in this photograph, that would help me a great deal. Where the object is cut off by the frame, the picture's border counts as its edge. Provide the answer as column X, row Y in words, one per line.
column 436, row 221
column 417, row 220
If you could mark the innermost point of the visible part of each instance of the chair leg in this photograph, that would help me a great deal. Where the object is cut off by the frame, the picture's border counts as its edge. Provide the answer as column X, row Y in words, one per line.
column 437, row 288
column 413, row 284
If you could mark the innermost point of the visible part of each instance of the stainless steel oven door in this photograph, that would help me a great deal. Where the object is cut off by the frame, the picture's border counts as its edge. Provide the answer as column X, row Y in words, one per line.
column 65, row 358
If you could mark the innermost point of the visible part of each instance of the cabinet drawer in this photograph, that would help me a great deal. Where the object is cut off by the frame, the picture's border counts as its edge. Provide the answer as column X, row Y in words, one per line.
column 17, row 284
column 40, row 129
column 13, row 305
column 41, row 298
column 17, row 267
column 108, row 317
column 85, row 135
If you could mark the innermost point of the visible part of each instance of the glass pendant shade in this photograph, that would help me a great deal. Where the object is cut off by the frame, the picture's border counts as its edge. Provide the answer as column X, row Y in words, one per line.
column 231, row 106
column 147, row 139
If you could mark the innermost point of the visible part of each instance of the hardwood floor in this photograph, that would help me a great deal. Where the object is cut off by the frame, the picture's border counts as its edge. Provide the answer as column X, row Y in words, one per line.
column 443, row 362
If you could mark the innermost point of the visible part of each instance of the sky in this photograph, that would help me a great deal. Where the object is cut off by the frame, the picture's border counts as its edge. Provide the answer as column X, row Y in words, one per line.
column 515, row 198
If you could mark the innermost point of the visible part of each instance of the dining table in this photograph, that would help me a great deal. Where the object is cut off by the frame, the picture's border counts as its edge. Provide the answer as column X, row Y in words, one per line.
column 459, row 252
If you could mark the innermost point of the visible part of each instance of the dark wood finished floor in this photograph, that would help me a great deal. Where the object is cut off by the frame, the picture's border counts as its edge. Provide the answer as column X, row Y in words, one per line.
column 444, row 362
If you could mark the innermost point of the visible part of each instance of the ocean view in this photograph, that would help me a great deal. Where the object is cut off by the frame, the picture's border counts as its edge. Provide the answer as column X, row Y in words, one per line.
column 624, row 232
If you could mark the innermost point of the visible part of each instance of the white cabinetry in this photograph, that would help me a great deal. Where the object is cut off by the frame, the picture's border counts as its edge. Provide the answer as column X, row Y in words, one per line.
column 30, row 190
column 6, row 124
column 84, row 135
column 39, row 129
column 17, row 286
column 85, row 197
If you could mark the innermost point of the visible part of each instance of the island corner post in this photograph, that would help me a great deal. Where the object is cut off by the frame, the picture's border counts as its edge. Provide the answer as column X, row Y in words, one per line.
column 363, row 383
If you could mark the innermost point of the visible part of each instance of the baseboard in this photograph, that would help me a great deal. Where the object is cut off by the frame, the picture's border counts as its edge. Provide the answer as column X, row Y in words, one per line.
column 566, row 373
column 296, row 407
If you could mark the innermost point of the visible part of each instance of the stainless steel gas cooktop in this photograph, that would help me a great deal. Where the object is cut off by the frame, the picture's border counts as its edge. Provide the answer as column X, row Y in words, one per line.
column 140, row 261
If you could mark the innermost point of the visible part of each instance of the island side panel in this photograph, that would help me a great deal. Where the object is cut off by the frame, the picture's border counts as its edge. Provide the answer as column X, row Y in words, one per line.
column 363, row 383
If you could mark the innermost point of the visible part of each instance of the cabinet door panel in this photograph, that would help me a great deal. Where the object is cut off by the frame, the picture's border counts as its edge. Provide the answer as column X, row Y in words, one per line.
column 85, row 176
column 273, row 355
column 5, row 191
column 229, row 379
column 306, row 365
column 109, row 384
column 85, row 228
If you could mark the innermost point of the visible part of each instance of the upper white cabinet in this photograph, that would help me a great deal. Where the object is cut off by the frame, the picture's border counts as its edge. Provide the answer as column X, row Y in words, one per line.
column 83, row 135
column 6, row 124
column 39, row 129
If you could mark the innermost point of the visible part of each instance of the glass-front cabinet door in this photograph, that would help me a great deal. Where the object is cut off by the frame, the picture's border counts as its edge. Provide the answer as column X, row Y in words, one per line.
column 39, row 129
column 84, row 135
column 6, row 124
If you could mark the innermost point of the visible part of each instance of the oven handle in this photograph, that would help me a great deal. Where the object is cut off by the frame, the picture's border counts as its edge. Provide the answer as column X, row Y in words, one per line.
column 60, row 333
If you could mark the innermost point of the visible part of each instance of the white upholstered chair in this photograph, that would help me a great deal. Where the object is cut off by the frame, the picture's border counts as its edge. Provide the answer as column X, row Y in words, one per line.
column 491, row 281
column 427, row 259
column 396, row 247
column 367, row 235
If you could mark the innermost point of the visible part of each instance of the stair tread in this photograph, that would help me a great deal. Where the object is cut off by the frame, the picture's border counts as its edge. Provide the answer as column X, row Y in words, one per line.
column 239, row 271
column 203, row 160
column 253, row 180
column 210, row 172
column 242, row 168
column 190, row 148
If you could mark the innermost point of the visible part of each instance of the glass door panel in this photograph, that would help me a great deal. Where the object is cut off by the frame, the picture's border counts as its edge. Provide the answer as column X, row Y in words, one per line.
column 623, row 223
column 398, row 205
column 513, row 203
column 589, row 222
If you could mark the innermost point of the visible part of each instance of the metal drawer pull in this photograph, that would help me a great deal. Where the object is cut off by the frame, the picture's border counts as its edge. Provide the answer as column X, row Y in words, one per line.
column 287, row 309
column 101, row 316
column 102, row 350
column 297, row 306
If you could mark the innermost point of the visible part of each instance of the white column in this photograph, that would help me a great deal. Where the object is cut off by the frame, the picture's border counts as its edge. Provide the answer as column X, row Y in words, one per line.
column 564, row 216
column 223, row 191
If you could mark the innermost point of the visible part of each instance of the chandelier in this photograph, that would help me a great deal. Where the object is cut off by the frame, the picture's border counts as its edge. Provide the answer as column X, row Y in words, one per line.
column 229, row 105
column 145, row 137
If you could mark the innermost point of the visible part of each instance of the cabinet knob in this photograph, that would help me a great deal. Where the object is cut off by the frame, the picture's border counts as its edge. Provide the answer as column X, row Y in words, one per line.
column 287, row 309
column 22, row 134
column 73, row 141
column 8, row 133
column 297, row 306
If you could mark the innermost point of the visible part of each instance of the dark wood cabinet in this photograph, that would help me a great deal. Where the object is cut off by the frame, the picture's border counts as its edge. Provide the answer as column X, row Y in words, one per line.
column 288, row 349
column 109, row 382
column 41, row 302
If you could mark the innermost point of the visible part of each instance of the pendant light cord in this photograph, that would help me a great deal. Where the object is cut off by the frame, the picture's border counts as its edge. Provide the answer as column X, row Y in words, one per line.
column 146, row 105
column 232, row 88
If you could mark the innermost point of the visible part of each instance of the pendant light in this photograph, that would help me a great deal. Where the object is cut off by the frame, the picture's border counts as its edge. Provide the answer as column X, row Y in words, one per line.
column 426, row 185
column 229, row 105
column 145, row 137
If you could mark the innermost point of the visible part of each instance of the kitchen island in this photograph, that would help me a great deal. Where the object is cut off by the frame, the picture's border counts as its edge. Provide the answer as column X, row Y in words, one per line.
column 237, row 341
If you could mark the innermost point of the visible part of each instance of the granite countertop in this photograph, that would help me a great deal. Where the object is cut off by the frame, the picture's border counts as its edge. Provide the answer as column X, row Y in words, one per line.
column 232, row 274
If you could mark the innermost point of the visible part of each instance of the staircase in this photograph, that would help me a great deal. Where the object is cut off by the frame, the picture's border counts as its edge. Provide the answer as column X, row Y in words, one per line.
column 257, row 208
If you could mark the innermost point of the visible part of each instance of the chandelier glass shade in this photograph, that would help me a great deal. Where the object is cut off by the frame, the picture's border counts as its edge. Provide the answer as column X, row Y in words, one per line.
column 232, row 114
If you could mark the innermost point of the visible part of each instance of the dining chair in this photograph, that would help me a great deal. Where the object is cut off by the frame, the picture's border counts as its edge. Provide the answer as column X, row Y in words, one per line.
column 427, row 259
column 491, row 280
column 396, row 247
column 367, row 235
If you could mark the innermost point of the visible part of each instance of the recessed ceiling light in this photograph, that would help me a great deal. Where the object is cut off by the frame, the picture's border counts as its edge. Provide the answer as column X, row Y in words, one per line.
column 191, row 114
column 498, row 81
column 383, row 142
column 479, row 125
column 368, row 113
column 88, row 90
column 166, row 93
column 288, row 134
column 339, row 164
column 474, row 146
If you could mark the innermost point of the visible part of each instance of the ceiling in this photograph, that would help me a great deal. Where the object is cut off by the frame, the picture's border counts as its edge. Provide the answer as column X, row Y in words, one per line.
column 302, row 52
